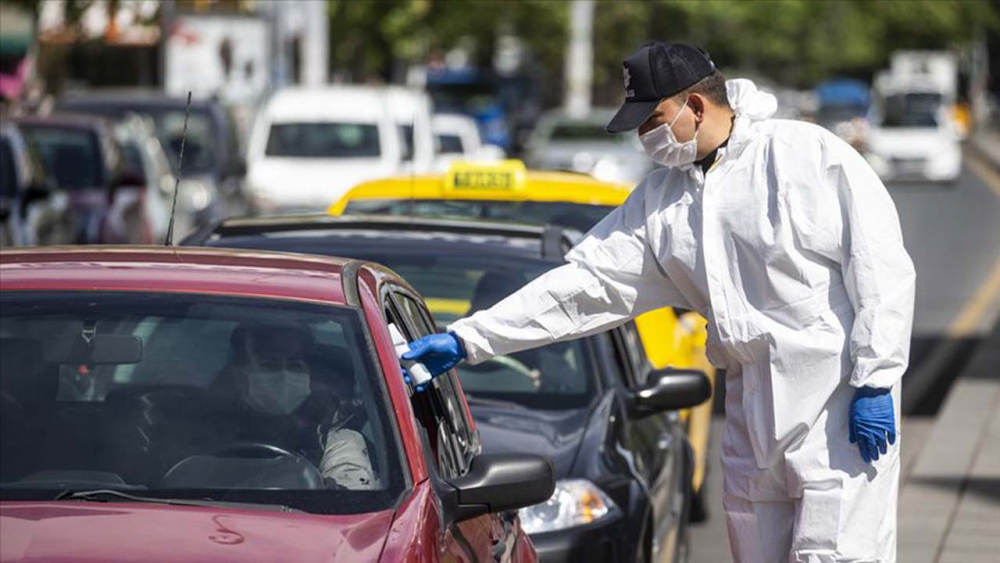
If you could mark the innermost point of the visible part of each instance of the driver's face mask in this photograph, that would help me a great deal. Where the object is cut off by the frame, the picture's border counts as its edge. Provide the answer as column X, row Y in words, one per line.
column 277, row 388
column 663, row 147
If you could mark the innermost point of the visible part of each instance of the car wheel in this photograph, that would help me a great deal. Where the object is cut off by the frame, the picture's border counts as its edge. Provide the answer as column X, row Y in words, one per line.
column 699, row 507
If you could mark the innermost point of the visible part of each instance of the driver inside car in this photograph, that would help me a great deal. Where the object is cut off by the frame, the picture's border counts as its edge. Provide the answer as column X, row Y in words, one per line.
column 296, row 395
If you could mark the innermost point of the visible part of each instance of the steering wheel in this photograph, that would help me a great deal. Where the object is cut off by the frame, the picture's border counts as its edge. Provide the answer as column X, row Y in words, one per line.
column 287, row 465
column 255, row 450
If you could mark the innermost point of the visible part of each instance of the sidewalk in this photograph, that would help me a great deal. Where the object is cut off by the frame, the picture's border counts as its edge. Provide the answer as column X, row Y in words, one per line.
column 949, row 507
column 986, row 142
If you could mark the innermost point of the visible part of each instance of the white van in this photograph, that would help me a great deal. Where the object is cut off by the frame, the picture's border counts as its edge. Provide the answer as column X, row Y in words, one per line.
column 309, row 146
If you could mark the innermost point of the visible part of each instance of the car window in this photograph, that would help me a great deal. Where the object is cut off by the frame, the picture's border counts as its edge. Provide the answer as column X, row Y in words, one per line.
column 323, row 140
column 631, row 355
column 406, row 134
column 132, row 161
column 912, row 110
column 450, row 144
column 8, row 175
column 201, row 140
column 234, row 399
column 573, row 215
column 72, row 157
column 581, row 131
column 445, row 416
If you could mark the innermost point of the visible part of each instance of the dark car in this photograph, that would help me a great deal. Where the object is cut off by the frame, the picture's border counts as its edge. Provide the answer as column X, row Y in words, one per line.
column 593, row 405
column 174, row 405
column 31, row 211
column 213, row 163
column 82, row 159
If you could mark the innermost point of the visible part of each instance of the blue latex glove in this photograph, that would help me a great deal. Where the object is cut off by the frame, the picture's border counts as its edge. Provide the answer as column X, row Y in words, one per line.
column 409, row 380
column 873, row 423
column 437, row 352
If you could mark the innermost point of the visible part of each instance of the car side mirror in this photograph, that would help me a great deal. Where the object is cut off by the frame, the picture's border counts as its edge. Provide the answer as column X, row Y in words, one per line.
column 501, row 482
column 670, row 389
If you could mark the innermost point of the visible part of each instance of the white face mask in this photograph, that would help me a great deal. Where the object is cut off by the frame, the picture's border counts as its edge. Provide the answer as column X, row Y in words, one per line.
column 277, row 393
column 663, row 147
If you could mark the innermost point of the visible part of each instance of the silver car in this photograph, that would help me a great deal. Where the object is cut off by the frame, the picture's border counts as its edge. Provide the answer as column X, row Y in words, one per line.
column 579, row 144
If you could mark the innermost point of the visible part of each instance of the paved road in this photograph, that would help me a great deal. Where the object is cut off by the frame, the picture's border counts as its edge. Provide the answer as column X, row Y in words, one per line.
column 953, row 235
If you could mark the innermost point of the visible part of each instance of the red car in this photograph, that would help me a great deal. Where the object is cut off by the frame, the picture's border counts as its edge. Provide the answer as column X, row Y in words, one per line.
column 171, row 404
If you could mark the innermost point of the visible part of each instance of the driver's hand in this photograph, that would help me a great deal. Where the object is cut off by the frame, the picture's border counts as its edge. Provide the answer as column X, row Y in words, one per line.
column 437, row 352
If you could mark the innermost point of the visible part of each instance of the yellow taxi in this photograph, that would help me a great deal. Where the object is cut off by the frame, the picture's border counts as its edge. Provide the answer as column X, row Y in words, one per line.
column 506, row 190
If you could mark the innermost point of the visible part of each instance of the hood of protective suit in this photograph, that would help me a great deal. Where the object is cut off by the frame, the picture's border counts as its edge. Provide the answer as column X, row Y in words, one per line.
column 750, row 106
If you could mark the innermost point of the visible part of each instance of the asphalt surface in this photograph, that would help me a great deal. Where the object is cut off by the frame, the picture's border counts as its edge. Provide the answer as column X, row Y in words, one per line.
column 953, row 234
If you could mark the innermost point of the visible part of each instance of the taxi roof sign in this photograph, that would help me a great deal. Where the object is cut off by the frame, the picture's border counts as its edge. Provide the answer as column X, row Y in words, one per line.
column 501, row 176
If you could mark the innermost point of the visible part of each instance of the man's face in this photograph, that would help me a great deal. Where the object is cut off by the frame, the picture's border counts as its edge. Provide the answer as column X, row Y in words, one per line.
column 666, row 112
column 280, row 352
column 277, row 374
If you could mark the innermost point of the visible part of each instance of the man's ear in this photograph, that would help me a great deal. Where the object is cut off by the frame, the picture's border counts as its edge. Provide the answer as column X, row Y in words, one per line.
column 697, row 104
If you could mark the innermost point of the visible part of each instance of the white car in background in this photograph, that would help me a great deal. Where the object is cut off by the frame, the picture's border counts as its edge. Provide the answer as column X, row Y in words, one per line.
column 309, row 146
column 913, row 138
column 457, row 138
column 580, row 144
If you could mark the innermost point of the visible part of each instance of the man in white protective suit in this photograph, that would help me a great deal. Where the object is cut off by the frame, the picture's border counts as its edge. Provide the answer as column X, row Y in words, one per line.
column 782, row 236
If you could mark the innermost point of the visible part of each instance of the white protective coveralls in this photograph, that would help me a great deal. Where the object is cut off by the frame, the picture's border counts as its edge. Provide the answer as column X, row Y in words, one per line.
column 790, row 246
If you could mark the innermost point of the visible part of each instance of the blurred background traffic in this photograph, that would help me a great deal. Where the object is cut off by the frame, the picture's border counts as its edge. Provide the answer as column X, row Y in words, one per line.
column 297, row 101
column 348, row 107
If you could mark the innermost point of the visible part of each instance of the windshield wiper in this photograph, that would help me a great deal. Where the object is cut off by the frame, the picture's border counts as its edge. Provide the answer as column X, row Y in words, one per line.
column 111, row 495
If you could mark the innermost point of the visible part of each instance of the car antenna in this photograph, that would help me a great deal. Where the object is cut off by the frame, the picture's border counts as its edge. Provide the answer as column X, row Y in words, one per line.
column 177, row 180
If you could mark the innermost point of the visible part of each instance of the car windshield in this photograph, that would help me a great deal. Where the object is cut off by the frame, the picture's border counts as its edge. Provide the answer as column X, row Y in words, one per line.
column 168, row 123
column 457, row 284
column 323, row 140
column 581, row 217
column 71, row 156
column 582, row 131
column 912, row 110
column 192, row 396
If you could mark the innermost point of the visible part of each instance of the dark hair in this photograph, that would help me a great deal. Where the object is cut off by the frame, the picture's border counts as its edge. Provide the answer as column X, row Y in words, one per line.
column 712, row 87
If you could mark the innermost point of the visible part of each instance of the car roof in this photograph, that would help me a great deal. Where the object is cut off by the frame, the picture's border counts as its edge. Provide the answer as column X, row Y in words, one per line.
column 404, row 233
column 130, row 98
column 173, row 269
column 542, row 186
column 64, row 121
column 329, row 103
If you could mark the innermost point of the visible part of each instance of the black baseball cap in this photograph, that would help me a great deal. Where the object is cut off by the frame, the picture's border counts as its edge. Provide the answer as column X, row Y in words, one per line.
column 657, row 70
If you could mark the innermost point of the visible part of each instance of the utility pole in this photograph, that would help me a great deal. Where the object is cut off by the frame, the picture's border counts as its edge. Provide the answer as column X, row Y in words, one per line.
column 580, row 58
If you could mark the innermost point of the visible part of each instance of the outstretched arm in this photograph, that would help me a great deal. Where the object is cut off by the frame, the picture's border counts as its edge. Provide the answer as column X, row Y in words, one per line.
column 610, row 277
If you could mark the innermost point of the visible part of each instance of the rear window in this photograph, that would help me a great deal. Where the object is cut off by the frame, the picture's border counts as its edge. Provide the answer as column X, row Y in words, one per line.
column 580, row 132
column 450, row 144
column 323, row 140
column 581, row 217
column 71, row 156
column 193, row 396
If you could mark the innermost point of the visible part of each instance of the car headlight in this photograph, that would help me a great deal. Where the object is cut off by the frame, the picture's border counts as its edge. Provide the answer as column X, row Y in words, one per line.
column 575, row 502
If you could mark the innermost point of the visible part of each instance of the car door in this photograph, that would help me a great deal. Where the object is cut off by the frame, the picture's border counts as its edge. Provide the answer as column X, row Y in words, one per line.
column 452, row 437
column 653, row 439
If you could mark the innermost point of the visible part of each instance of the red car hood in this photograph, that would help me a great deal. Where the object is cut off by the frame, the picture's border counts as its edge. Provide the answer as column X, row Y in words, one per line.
column 92, row 532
